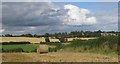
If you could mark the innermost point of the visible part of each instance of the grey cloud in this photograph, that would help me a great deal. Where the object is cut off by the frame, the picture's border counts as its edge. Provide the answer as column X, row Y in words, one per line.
column 20, row 17
column 27, row 14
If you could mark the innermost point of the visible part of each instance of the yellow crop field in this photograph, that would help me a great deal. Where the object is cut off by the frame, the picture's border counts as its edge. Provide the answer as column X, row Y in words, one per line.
column 21, row 39
column 70, row 39
column 25, row 39
column 35, row 40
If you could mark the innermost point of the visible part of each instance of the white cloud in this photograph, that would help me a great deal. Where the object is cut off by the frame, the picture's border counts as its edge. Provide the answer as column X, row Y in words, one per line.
column 78, row 16
column 2, row 30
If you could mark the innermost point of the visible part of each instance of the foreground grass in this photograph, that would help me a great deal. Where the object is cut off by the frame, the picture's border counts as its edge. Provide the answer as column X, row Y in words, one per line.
column 103, row 45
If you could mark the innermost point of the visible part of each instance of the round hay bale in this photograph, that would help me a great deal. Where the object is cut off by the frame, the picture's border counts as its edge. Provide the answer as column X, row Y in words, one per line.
column 43, row 48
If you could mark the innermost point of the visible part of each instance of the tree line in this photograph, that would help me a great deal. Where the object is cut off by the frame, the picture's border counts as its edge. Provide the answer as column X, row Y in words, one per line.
column 64, row 34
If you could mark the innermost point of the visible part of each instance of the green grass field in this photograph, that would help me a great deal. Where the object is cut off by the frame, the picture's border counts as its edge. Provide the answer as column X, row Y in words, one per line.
column 25, row 47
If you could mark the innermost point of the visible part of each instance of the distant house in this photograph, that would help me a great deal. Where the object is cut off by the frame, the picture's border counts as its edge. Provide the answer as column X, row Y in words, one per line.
column 106, row 34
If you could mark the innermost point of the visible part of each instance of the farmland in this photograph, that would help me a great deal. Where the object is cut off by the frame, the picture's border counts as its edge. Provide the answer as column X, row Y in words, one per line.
column 57, row 57
column 64, row 31
column 102, row 49
column 34, row 40
column 25, row 47
column 20, row 39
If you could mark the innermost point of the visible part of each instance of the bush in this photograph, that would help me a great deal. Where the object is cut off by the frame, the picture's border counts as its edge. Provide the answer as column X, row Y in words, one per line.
column 57, row 45
column 47, row 39
column 62, row 39
column 52, row 50
column 42, row 43
column 7, row 43
column 103, row 43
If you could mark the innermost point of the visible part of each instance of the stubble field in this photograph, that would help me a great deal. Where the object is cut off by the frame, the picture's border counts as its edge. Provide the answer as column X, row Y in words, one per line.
column 57, row 57
column 34, row 40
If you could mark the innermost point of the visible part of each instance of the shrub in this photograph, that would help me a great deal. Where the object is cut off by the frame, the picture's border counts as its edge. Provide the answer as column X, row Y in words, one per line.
column 57, row 45
column 62, row 39
column 52, row 50
column 42, row 43
column 7, row 43
column 47, row 39
column 103, row 43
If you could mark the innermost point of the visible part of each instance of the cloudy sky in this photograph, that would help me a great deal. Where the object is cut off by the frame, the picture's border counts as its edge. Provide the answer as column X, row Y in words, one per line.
column 51, row 17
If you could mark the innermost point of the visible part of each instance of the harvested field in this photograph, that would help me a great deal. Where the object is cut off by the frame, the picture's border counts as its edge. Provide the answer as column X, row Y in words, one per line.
column 54, row 40
column 90, row 38
column 57, row 57
column 34, row 40
column 24, row 39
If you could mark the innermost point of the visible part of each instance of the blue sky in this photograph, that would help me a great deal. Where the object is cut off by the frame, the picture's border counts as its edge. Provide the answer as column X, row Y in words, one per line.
column 92, row 5
column 100, row 9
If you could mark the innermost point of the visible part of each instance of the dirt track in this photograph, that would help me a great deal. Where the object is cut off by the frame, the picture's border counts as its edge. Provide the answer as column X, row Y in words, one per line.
column 57, row 57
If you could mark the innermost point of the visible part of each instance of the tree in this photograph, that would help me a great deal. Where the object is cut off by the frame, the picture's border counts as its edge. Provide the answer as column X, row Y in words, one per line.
column 35, row 35
column 46, row 35
column 47, row 39
column 8, row 35
column 63, row 39
column 26, row 35
column 29, row 35
column 99, row 31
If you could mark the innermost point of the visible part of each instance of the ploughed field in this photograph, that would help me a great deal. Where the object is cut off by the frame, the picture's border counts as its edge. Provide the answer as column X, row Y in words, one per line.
column 57, row 57
column 34, row 40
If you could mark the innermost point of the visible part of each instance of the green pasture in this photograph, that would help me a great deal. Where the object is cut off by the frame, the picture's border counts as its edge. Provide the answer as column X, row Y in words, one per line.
column 25, row 47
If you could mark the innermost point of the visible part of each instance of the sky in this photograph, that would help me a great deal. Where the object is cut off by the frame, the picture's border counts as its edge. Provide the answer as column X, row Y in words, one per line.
column 51, row 17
